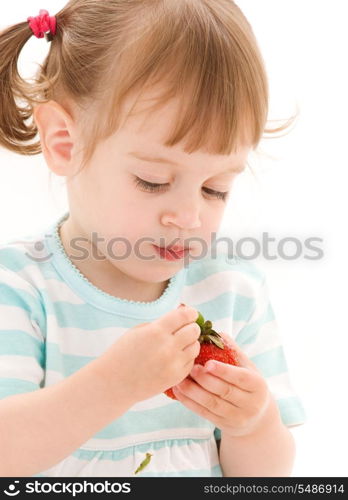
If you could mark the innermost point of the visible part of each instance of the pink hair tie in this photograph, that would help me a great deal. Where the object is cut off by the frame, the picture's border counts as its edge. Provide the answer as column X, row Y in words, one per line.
column 42, row 24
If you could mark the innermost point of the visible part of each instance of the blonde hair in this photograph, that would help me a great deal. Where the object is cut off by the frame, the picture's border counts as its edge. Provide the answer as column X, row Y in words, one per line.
column 204, row 51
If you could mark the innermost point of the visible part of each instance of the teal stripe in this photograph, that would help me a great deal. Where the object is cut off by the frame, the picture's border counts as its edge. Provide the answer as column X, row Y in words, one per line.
column 204, row 268
column 20, row 343
column 271, row 362
column 11, row 296
column 12, row 386
column 133, row 421
column 149, row 420
column 123, row 453
column 291, row 410
column 84, row 316
column 226, row 305
column 49, row 272
column 249, row 333
column 65, row 364
column 242, row 307
column 46, row 301
column 201, row 269
column 14, row 259
column 246, row 267
column 118, row 455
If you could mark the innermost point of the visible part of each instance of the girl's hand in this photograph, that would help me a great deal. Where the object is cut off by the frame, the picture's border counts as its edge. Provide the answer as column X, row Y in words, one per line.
column 234, row 398
column 151, row 357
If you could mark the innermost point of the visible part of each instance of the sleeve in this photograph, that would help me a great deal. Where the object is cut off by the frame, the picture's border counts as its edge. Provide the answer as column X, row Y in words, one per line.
column 261, row 341
column 22, row 342
column 259, row 337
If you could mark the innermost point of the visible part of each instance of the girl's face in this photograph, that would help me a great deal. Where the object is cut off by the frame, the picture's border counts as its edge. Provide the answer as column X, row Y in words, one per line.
column 111, row 199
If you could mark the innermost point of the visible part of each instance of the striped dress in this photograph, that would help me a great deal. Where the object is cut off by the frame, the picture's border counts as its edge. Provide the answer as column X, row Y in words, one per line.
column 53, row 321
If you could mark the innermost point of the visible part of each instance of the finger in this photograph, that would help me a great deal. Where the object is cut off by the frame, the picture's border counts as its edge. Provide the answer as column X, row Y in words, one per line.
column 192, row 392
column 173, row 320
column 229, row 392
column 244, row 378
column 189, row 355
column 187, row 336
column 203, row 411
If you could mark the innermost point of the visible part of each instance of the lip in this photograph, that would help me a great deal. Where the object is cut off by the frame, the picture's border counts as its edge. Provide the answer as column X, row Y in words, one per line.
column 170, row 254
column 177, row 248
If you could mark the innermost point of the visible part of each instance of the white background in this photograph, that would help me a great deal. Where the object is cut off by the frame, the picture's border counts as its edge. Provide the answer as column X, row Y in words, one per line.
column 299, row 191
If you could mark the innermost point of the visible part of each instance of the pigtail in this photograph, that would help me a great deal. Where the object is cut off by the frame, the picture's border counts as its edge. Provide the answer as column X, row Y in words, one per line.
column 14, row 129
column 103, row 51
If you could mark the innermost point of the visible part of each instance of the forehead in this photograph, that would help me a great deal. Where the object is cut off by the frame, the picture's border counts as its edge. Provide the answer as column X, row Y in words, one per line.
column 145, row 131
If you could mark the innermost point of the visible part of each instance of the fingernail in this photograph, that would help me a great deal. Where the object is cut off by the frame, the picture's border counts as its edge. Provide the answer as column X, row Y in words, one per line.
column 195, row 370
column 210, row 366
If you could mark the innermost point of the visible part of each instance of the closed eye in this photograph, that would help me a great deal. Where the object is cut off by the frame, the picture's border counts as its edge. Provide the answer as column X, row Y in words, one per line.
column 151, row 187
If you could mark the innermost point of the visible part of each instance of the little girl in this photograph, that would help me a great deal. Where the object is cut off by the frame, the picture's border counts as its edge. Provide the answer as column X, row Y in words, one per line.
column 149, row 109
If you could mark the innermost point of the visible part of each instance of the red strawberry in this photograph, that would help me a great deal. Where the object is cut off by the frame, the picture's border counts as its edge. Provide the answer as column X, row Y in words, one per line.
column 213, row 346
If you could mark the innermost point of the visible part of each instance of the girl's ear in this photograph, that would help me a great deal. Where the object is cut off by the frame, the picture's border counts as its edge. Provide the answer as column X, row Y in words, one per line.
column 57, row 135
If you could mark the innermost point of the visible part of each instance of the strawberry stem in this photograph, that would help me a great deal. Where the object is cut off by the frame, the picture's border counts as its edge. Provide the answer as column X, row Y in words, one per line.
column 208, row 335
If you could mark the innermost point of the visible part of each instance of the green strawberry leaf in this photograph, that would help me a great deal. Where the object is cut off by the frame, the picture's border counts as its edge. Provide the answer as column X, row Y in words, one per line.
column 200, row 320
column 208, row 334
column 216, row 341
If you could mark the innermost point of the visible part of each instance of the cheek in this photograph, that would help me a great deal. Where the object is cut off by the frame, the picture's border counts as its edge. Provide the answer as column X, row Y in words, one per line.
column 213, row 215
column 211, row 219
column 132, row 219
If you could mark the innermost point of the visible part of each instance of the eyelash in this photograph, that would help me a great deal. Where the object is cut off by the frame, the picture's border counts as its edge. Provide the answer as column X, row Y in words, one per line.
column 149, row 186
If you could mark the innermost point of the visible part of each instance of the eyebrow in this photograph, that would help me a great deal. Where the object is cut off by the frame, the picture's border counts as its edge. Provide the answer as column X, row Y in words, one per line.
column 162, row 160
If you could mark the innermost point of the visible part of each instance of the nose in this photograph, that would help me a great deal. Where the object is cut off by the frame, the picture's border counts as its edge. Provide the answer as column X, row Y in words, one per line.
column 185, row 215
